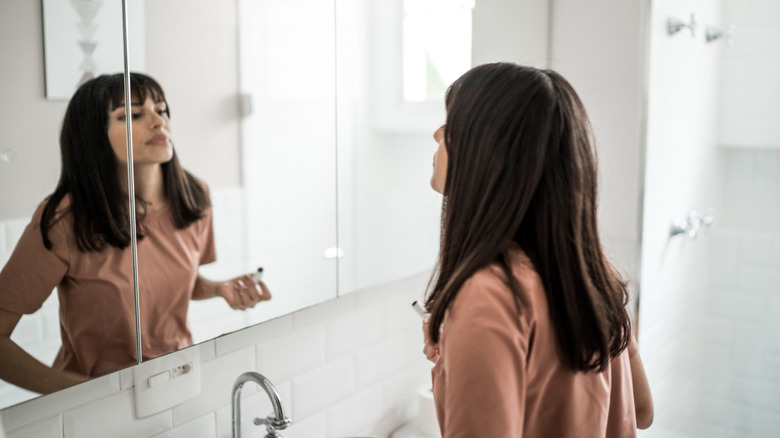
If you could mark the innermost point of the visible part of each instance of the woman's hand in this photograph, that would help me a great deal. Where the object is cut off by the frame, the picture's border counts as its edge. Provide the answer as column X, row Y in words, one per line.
column 242, row 292
column 21, row 369
column 430, row 350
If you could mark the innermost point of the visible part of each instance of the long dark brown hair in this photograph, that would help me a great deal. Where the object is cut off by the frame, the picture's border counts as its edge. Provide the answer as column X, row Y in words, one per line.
column 89, row 169
column 522, row 172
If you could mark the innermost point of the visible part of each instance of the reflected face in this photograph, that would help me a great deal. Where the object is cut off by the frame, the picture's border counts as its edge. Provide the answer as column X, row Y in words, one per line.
column 439, row 162
column 151, row 133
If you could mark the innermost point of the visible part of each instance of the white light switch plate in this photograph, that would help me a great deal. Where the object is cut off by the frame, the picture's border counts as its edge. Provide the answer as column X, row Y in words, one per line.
column 166, row 381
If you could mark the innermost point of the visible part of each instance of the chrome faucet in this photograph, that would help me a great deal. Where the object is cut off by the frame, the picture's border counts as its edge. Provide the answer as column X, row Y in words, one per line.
column 273, row 422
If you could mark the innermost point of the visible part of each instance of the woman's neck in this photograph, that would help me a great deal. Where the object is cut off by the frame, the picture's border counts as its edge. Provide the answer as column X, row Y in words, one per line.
column 148, row 186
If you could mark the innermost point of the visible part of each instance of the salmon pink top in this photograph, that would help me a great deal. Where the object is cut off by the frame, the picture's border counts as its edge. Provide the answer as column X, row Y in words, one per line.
column 499, row 374
column 95, row 289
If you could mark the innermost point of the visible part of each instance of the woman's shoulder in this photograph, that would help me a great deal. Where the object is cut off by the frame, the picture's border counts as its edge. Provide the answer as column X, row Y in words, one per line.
column 198, row 190
column 493, row 276
column 198, row 181
column 58, row 229
column 60, row 210
column 489, row 286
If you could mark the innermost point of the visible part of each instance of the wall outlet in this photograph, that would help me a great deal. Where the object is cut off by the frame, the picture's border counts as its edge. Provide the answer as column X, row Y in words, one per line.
column 166, row 381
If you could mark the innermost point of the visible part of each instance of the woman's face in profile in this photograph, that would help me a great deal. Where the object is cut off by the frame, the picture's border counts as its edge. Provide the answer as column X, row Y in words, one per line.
column 439, row 162
column 151, row 133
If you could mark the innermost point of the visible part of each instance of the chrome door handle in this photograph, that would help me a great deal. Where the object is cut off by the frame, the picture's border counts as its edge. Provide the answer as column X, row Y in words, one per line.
column 692, row 223
column 674, row 25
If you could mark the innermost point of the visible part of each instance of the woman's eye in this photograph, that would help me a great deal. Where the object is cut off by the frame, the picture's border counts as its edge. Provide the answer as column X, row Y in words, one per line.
column 163, row 112
column 137, row 116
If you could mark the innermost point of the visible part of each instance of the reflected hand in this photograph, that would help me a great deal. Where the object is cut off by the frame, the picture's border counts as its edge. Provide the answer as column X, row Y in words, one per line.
column 430, row 349
column 243, row 293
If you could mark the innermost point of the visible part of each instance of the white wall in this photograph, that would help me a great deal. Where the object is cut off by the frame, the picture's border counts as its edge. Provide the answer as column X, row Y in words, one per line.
column 195, row 59
column 25, row 181
column 516, row 31
column 334, row 380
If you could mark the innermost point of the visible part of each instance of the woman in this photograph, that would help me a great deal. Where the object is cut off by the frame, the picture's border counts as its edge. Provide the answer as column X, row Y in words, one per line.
column 528, row 327
column 78, row 241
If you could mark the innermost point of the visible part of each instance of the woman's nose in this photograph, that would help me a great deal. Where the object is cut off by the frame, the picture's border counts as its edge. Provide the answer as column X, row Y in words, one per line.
column 438, row 134
column 157, row 119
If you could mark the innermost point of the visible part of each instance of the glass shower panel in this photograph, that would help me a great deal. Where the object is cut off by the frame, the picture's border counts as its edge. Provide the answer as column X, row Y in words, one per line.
column 710, row 304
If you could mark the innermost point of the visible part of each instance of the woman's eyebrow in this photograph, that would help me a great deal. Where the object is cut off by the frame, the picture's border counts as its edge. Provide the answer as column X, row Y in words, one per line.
column 122, row 105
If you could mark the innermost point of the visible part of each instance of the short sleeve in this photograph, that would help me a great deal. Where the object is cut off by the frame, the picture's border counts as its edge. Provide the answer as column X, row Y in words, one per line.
column 33, row 271
column 208, row 252
column 483, row 355
column 633, row 347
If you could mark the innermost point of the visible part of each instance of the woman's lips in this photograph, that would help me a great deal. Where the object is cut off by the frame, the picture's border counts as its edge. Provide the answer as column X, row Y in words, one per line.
column 159, row 139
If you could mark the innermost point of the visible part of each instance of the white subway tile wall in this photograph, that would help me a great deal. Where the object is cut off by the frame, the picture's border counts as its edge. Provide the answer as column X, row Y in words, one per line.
column 276, row 358
column 191, row 429
column 40, row 409
column 115, row 409
column 750, row 195
column 358, row 412
column 733, row 313
column 49, row 427
column 741, row 363
column 330, row 388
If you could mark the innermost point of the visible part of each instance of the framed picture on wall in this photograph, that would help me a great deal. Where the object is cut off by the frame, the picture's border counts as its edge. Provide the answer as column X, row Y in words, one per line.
column 83, row 39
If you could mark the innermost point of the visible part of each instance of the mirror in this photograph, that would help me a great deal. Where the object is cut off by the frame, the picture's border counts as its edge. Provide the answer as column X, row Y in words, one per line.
column 249, row 118
column 251, row 91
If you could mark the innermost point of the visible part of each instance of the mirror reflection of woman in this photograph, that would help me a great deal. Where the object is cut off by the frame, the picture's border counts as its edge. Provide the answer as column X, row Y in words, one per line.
column 78, row 242
column 528, row 326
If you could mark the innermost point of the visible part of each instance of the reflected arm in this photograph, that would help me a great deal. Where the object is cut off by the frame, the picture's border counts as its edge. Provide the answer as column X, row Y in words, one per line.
column 240, row 293
column 643, row 399
column 430, row 350
column 21, row 369
column 204, row 288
